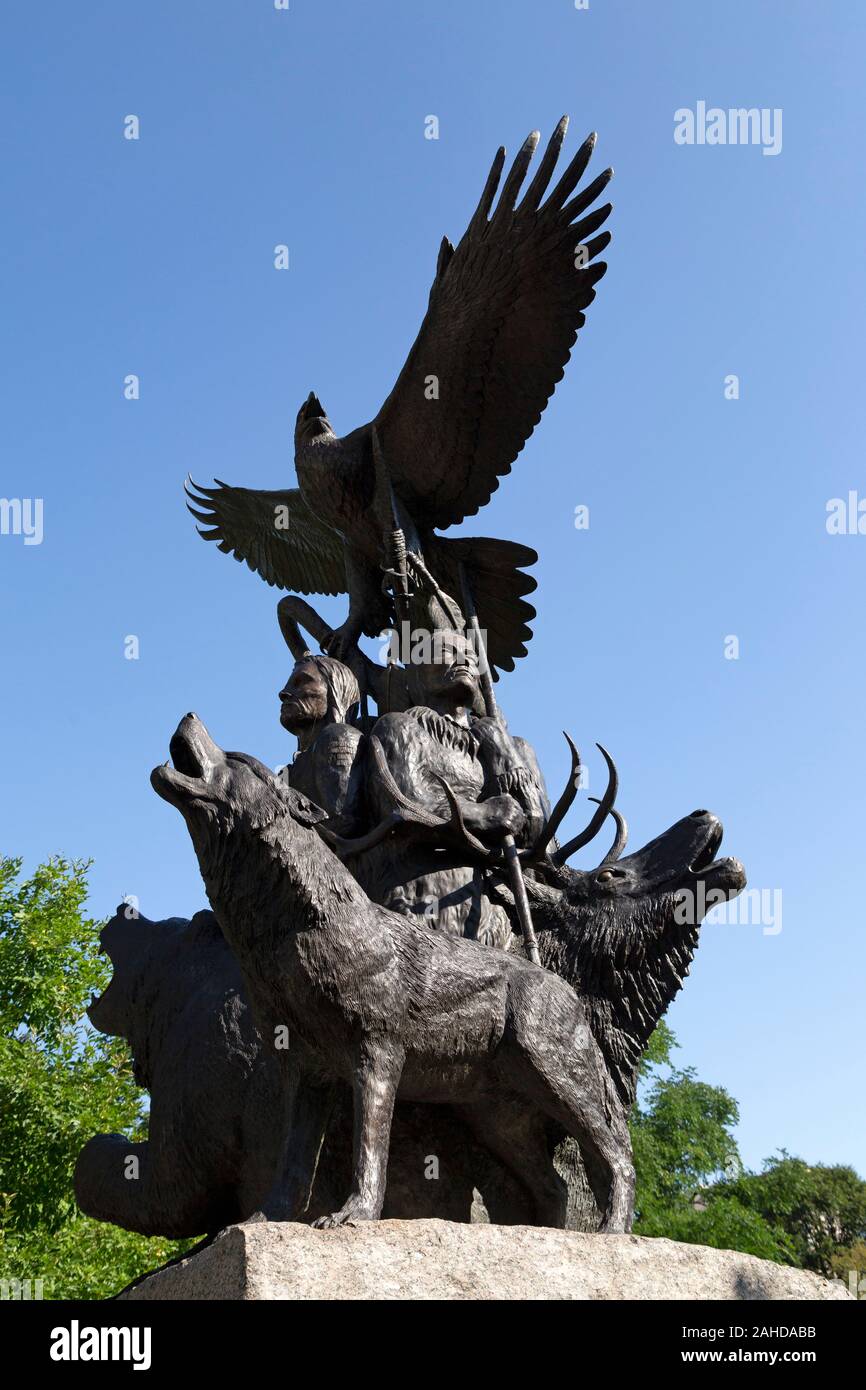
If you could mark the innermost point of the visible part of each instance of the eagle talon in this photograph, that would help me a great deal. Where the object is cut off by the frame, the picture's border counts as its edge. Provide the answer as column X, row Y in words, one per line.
column 342, row 644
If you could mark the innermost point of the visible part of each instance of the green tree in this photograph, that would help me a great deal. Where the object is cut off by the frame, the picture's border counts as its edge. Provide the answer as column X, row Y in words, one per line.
column 680, row 1127
column 821, row 1208
column 60, row 1082
column 684, row 1146
column 849, row 1265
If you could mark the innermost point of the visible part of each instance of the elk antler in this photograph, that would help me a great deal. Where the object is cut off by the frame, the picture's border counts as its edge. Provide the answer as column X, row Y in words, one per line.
column 605, row 806
column 405, row 812
column 457, row 824
column 563, row 805
column 619, row 843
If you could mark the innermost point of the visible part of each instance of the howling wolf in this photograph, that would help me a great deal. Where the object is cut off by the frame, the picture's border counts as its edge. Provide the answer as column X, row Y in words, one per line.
column 390, row 1006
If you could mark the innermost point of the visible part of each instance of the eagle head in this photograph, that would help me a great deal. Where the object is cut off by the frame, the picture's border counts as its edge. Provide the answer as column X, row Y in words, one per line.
column 312, row 421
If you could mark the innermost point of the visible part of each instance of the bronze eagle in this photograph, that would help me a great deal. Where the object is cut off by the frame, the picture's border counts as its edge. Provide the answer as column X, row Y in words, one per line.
column 503, row 315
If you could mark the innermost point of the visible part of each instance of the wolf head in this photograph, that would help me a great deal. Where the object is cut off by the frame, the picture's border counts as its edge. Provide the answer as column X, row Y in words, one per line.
column 207, row 784
column 226, row 799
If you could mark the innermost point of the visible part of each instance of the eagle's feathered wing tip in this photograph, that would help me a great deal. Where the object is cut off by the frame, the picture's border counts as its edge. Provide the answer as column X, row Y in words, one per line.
column 499, row 582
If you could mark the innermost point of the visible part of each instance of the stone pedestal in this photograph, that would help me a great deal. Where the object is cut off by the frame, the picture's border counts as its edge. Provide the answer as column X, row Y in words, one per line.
column 443, row 1260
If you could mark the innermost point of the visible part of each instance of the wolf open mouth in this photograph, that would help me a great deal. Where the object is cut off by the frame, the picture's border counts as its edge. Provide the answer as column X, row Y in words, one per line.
column 706, row 855
column 194, row 755
column 184, row 755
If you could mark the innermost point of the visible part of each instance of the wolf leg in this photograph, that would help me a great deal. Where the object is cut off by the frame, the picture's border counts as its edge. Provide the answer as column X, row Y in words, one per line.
column 570, row 1084
column 309, row 1113
column 375, row 1088
column 606, row 1152
column 605, row 1149
column 517, row 1138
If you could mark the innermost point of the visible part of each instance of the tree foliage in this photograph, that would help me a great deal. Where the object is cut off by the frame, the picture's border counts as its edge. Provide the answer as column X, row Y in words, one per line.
column 60, row 1083
column 822, row 1208
column 692, row 1185
column 682, row 1135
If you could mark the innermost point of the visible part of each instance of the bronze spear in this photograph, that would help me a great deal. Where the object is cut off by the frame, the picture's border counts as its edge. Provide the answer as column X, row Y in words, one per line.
column 509, row 846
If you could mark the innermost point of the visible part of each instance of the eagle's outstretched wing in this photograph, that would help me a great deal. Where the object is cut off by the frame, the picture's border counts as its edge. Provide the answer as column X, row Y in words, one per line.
column 275, row 532
column 502, row 319
column 499, row 585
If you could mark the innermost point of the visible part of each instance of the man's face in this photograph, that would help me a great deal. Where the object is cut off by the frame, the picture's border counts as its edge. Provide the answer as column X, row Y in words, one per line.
column 453, row 671
column 304, row 698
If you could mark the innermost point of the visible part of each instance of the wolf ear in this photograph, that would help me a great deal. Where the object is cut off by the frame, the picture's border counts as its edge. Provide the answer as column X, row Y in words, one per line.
column 302, row 809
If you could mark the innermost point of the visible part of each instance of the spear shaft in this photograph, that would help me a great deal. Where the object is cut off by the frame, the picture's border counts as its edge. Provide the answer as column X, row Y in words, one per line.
column 509, row 845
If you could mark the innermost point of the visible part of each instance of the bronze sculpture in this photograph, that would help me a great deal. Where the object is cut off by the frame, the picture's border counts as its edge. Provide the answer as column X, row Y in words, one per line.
column 227, row 1105
column 388, row 1005
column 504, row 311
column 374, row 902
column 314, row 704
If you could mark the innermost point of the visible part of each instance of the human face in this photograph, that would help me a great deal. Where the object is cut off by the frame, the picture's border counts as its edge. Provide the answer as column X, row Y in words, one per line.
column 304, row 698
column 453, row 672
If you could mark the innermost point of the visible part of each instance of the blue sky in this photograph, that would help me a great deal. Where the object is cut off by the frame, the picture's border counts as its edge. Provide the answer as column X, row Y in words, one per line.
column 707, row 515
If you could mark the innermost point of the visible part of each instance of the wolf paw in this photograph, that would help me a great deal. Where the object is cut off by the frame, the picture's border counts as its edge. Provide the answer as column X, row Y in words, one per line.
column 353, row 1210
